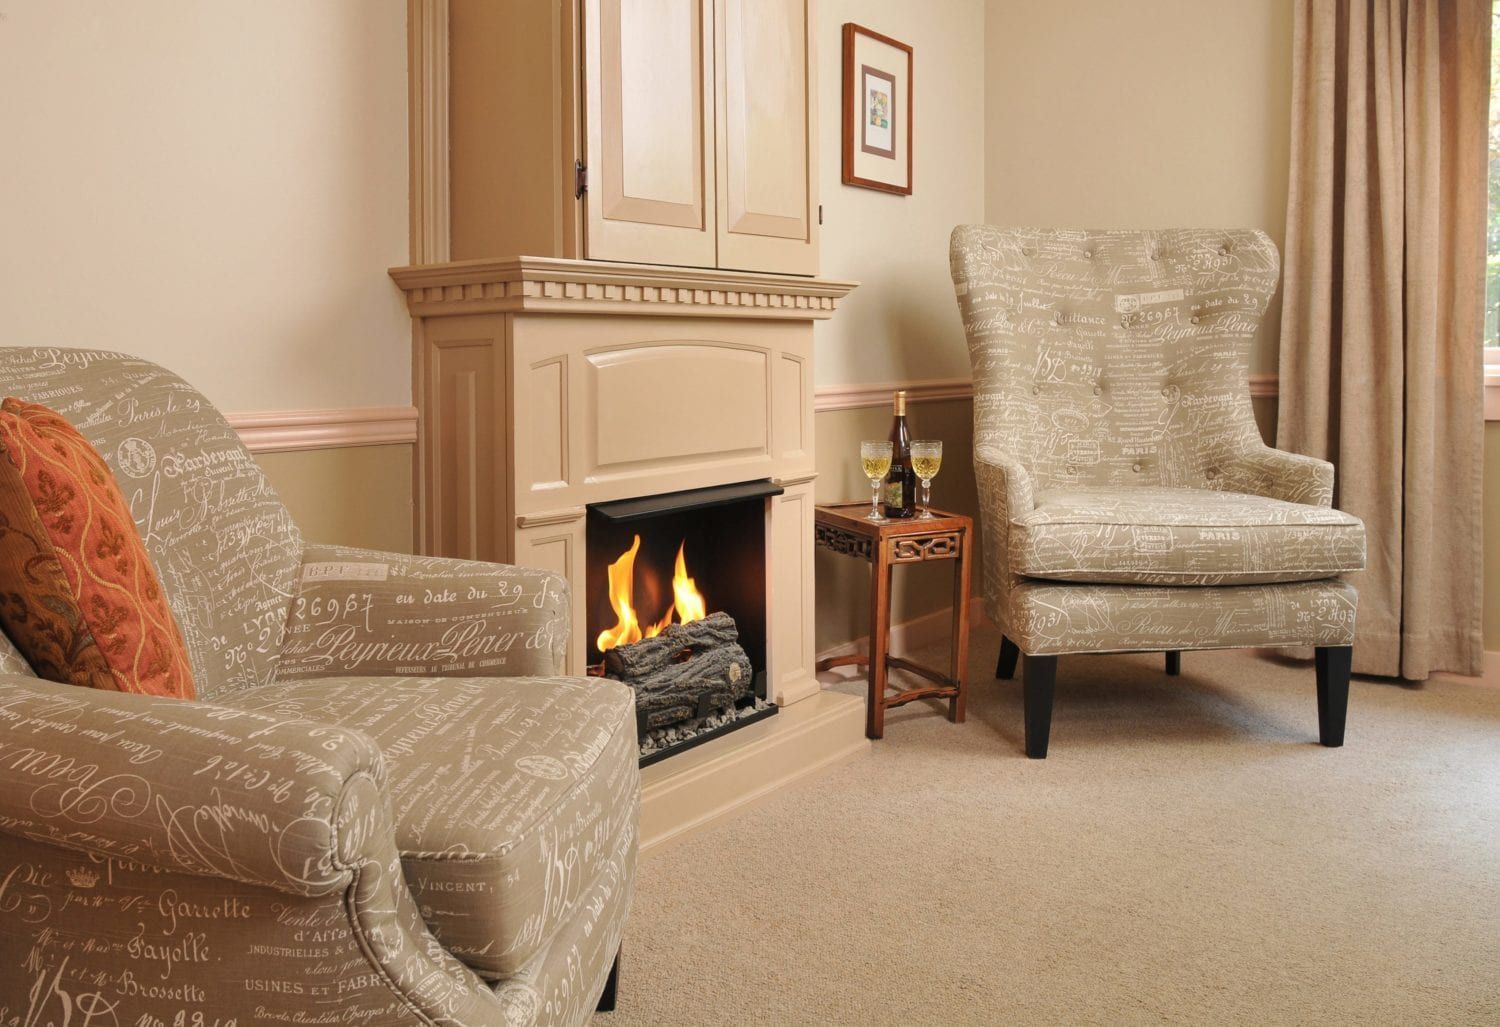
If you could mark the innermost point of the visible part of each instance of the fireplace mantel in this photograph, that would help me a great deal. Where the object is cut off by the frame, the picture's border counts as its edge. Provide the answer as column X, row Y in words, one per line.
column 554, row 285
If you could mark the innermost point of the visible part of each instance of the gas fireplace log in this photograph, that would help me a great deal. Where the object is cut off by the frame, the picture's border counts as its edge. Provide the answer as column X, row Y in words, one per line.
column 684, row 669
column 629, row 662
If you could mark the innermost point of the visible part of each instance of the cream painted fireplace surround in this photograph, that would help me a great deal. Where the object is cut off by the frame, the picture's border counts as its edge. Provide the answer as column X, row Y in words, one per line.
column 546, row 385
column 660, row 340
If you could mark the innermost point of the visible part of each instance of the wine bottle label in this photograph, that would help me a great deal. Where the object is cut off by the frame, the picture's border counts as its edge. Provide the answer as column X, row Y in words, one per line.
column 895, row 494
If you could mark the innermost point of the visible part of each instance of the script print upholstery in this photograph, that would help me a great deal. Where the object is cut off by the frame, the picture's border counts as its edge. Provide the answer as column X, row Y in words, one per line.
column 1118, row 359
column 225, row 548
column 167, row 862
column 502, row 798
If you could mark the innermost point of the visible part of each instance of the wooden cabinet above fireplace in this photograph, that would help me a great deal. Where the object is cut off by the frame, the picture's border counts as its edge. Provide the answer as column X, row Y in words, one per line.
column 678, row 132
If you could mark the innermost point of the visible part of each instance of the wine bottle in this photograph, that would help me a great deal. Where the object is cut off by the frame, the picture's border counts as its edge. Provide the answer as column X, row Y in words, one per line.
column 901, row 481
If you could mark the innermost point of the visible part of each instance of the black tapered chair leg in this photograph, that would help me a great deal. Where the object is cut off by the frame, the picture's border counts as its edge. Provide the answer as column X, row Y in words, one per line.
column 1040, row 678
column 1333, row 662
column 1174, row 662
column 1006, row 668
column 611, row 986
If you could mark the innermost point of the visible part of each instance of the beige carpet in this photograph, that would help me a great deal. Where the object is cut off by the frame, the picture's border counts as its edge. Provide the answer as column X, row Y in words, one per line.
column 1186, row 854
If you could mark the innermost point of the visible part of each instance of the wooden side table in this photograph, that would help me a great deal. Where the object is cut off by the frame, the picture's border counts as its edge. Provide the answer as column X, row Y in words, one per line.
column 846, row 528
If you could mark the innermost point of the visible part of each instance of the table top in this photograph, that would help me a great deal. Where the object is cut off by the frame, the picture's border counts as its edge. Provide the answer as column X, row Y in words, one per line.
column 854, row 518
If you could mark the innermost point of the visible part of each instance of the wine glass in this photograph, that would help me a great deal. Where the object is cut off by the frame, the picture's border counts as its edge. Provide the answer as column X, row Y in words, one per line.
column 876, row 458
column 926, row 458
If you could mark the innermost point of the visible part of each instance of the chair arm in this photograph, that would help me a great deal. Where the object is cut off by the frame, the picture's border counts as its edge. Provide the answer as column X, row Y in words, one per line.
column 362, row 612
column 1276, row 474
column 1002, row 480
column 186, row 786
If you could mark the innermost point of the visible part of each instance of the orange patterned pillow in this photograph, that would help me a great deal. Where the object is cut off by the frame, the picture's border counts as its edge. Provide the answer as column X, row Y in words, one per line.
column 80, row 598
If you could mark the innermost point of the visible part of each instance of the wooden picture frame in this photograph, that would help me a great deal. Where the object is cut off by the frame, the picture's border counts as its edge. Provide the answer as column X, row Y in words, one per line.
column 877, row 111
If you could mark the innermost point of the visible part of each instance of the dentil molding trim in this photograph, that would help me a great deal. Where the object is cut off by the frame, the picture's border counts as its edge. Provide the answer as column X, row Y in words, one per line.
column 878, row 394
column 561, row 286
column 289, row 431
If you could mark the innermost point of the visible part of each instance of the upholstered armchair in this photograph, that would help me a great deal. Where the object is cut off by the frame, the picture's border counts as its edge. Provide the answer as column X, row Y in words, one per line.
column 1128, row 503
column 387, row 805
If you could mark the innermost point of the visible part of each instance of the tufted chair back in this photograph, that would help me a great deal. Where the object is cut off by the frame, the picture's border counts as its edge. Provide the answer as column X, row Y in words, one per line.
column 1113, row 357
column 224, row 546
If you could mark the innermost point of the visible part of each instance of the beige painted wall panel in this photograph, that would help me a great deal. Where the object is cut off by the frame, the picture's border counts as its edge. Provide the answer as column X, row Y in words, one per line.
column 902, row 322
column 215, row 186
column 1148, row 114
column 358, row 496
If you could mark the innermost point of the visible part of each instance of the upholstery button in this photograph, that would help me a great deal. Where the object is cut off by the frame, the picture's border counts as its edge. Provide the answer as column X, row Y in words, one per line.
column 1136, row 468
column 1027, row 251
column 1155, row 255
column 1124, row 322
column 1166, row 391
column 1036, row 390
column 1098, row 391
column 1224, row 249
column 1088, row 254
column 1211, row 474
column 1072, row 469
column 1195, row 319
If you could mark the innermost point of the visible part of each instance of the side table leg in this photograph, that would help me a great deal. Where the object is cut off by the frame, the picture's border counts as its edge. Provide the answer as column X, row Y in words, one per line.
column 880, row 636
column 960, row 665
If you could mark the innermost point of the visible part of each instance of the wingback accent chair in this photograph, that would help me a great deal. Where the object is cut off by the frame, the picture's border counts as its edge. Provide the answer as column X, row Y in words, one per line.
column 386, row 806
column 1128, row 503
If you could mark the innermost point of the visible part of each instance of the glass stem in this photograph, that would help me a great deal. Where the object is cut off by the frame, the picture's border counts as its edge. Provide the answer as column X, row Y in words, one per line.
column 927, row 497
column 874, row 497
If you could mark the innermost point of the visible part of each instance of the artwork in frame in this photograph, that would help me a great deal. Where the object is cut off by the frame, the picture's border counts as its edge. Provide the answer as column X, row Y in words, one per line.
column 877, row 111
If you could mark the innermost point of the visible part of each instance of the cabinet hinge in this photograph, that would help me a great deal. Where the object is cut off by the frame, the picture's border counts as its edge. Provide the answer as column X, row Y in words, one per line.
column 820, row 213
column 580, row 179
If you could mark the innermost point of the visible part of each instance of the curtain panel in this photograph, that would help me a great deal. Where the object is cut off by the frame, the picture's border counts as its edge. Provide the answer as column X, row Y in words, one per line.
column 1382, row 317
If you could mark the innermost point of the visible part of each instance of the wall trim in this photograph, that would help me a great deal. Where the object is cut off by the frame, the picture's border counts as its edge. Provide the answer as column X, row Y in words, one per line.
column 427, row 129
column 929, row 390
column 287, row 431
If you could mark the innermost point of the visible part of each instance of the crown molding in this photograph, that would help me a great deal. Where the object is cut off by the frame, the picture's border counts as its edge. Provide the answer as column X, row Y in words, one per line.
column 878, row 394
column 288, row 431
column 561, row 286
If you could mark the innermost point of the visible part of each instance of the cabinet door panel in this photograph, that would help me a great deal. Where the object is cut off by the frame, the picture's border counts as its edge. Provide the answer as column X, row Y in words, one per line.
column 648, row 65
column 767, row 194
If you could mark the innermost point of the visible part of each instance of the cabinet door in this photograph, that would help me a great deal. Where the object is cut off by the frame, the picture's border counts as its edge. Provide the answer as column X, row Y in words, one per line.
column 767, row 133
column 648, row 66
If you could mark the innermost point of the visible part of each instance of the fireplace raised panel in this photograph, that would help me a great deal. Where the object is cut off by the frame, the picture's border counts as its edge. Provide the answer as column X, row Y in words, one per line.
column 677, row 401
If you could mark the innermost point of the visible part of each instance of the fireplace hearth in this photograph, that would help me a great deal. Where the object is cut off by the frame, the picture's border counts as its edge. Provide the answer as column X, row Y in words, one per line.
column 676, row 608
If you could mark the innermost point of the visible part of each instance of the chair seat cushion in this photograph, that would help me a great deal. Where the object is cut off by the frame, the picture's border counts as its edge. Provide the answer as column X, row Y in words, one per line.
column 1176, row 536
column 510, row 795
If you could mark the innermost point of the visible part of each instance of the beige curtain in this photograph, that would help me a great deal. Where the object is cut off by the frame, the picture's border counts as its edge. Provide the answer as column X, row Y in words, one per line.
column 1382, row 315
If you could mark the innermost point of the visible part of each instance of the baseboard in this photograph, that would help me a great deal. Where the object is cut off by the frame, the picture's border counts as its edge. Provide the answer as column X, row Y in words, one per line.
column 917, row 633
column 689, row 792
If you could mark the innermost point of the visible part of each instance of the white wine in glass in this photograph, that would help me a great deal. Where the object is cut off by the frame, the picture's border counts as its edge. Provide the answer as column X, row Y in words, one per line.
column 926, row 458
column 876, row 459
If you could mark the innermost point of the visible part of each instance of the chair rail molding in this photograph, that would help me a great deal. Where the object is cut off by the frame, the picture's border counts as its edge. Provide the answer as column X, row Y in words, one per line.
column 929, row 390
column 427, row 129
column 289, row 431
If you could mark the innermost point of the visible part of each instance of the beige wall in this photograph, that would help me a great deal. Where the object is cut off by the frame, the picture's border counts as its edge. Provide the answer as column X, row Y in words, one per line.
column 216, row 186
column 902, row 322
column 1148, row 114
column 355, row 496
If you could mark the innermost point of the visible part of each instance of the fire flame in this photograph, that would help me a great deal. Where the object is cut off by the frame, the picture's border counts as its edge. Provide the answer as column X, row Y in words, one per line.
column 687, row 602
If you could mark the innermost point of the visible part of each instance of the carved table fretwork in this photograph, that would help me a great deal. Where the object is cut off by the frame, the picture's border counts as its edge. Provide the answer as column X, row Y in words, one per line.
column 844, row 528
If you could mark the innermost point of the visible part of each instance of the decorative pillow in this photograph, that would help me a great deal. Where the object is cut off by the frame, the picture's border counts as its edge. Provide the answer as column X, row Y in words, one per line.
column 79, row 597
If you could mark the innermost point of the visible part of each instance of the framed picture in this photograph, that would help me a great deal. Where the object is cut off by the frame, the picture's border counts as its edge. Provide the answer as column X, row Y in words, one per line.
column 877, row 111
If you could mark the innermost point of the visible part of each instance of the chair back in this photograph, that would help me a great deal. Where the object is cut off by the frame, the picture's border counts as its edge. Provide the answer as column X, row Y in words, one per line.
column 1113, row 357
column 224, row 546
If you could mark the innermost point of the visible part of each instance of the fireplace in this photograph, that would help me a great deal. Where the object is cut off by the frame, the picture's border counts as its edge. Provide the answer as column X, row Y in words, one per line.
column 676, row 607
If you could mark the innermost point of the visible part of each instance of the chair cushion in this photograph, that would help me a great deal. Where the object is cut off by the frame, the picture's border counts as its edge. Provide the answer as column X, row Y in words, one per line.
column 510, row 795
column 82, row 600
column 1172, row 536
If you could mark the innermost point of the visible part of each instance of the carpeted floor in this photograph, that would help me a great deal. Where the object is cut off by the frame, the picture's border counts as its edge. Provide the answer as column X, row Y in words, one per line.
column 1186, row 854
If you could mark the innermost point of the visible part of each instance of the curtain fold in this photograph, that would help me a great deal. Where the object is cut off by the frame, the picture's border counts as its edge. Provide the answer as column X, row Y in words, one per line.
column 1383, row 308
